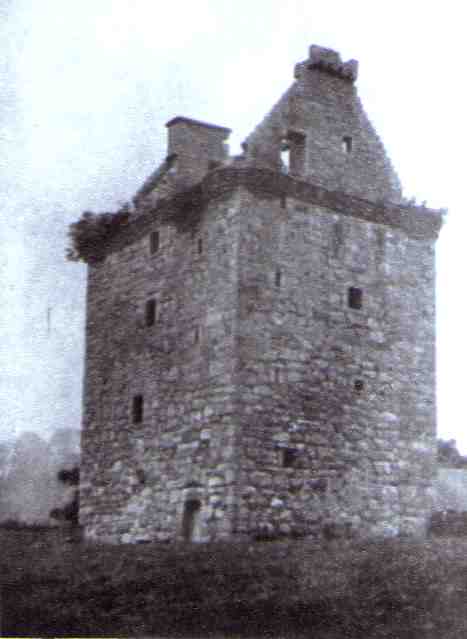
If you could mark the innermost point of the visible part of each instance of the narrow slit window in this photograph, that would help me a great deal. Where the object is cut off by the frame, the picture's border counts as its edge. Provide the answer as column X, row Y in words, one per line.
column 347, row 144
column 355, row 297
column 278, row 278
column 296, row 145
column 285, row 156
column 154, row 242
column 200, row 246
column 196, row 334
column 150, row 312
column 137, row 409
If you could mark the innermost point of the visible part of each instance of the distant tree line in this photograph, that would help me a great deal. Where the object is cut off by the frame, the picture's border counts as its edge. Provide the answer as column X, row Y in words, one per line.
column 449, row 456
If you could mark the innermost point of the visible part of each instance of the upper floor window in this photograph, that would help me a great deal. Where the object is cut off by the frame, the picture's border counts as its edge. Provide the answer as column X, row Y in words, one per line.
column 137, row 409
column 347, row 144
column 278, row 278
column 150, row 312
column 355, row 297
column 154, row 242
column 289, row 457
column 293, row 149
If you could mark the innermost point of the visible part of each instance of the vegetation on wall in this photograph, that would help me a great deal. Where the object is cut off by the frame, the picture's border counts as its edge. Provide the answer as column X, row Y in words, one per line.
column 90, row 234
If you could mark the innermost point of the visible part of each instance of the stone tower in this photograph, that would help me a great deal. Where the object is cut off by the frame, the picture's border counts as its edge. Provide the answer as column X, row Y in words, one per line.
column 260, row 340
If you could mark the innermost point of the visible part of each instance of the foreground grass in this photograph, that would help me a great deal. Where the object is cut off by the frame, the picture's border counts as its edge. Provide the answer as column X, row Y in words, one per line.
column 399, row 589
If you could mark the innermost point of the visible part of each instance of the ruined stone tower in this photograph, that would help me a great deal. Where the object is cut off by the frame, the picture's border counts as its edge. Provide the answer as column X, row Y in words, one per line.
column 260, row 340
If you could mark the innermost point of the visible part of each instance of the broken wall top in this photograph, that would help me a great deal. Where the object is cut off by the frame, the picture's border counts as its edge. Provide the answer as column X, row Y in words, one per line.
column 321, row 122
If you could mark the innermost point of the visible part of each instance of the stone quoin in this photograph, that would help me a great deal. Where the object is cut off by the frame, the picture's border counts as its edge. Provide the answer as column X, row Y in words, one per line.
column 260, row 337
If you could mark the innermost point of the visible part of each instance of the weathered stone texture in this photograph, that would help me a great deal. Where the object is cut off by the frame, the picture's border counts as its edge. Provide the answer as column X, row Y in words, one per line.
column 288, row 380
column 325, row 109
column 364, row 457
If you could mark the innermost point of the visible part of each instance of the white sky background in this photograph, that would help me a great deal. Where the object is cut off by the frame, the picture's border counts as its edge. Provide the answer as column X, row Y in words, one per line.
column 86, row 87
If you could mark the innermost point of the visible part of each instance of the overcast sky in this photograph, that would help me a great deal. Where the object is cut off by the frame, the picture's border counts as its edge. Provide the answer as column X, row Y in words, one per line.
column 86, row 88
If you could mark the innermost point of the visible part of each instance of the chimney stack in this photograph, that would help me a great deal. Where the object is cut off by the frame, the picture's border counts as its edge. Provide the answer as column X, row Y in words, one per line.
column 197, row 146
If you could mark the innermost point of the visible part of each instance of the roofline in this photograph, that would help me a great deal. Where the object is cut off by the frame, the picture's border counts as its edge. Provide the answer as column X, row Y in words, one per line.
column 183, row 208
column 207, row 125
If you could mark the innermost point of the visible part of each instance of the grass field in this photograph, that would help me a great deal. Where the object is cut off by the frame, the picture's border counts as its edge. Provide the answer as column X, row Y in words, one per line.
column 393, row 588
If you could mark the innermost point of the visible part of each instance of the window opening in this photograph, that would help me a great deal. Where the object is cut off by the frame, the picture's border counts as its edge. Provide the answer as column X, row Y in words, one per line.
column 191, row 520
column 278, row 278
column 289, row 457
column 355, row 297
column 150, row 313
column 196, row 334
column 138, row 409
column 285, row 156
column 359, row 385
column 347, row 144
column 141, row 476
column 296, row 145
column 200, row 245
column 154, row 242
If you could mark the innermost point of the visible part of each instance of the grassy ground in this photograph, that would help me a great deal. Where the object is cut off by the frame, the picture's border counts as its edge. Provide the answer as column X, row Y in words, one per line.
column 398, row 589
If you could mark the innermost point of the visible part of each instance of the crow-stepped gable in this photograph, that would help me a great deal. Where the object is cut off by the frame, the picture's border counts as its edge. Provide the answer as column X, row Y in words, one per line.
column 260, row 339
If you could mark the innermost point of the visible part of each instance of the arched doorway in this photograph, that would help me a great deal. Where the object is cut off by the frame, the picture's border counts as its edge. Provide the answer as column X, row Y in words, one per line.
column 191, row 529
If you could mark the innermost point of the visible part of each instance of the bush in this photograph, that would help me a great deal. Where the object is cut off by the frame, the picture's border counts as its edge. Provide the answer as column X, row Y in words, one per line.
column 91, row 233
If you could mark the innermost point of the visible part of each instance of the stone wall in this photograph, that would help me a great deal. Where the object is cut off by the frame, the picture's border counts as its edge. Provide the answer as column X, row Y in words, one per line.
column 337, row 405
column 136, row 478
column 265, row 364
column 323, row 105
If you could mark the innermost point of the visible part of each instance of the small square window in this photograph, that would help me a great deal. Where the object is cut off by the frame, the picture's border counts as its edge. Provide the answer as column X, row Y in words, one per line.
column 355, row 297
column 150, row 312
column 289, row 457
column 137, row 409
column 154, row 242
column 359, row 385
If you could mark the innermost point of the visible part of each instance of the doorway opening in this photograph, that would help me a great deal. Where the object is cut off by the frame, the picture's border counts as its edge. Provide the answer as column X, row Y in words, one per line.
column 191, row 530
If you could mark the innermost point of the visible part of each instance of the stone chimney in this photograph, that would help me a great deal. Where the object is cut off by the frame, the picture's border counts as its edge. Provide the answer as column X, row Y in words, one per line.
column 197, row 147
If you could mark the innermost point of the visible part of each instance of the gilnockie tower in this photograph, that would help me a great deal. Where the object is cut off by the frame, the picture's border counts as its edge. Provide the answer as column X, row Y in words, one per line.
column 260, row 339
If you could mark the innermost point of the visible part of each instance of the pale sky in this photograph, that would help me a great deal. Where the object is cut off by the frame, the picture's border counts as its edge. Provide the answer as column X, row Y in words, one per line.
column 86, row 88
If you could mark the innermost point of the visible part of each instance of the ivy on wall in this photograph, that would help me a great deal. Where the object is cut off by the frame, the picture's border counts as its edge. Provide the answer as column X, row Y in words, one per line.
column 90, row 234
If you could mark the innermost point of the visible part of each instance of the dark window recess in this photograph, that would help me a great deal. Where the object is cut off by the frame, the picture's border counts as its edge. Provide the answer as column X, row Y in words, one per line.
column 347, row 144
column 154, row 242
column 190, row 521
column 278, row 279
column 150, row 314
column 355, row 297
column 200, row 245
column 295, row 143
column 196, row 333
column 137, row 409
column 358, row 385
column 289, row 457
column 141, row 475
column 283, row 202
